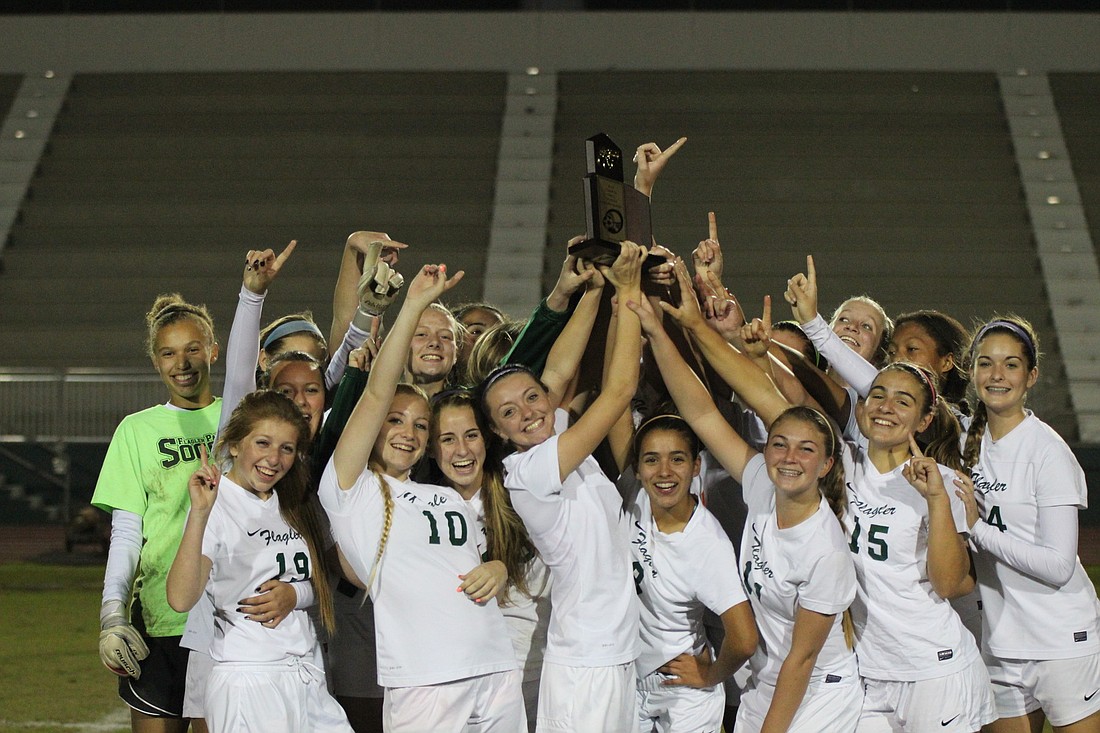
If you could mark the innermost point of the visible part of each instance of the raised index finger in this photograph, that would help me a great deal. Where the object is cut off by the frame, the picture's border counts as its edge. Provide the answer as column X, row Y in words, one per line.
column 811, row 272
column 285, row 254
column 712, row 226
column 683, row 278
column 914, row 448
column 671, row 149
column 767, row 317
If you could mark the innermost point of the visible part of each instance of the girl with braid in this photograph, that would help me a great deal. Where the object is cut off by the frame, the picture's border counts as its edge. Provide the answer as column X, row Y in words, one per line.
column 927, row 338
column 1041, row 638
column 444, row 656
column 921, row 668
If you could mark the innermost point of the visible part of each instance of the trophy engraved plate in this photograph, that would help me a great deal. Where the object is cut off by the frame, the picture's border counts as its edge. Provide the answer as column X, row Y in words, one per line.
column 611, row 210
column 614, row 210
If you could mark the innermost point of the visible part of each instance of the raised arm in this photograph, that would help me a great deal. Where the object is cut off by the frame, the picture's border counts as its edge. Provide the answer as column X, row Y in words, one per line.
column 948, row 559
column 191, row 569
column 692, row 398
column 377, row 289
column 651, row 161
column 353, row 264
column 565, row 355
column 354, row 447
column 260, row 270
column 548, row 319
column 578, row 442
column 756, row 343
column 707, row 257
column 802, row 296
column 736, row 369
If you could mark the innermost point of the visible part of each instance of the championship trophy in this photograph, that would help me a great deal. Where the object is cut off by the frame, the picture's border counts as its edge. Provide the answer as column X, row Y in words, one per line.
column 615, row 211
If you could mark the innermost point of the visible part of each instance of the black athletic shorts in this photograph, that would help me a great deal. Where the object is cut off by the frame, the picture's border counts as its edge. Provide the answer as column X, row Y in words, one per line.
column 159, row 691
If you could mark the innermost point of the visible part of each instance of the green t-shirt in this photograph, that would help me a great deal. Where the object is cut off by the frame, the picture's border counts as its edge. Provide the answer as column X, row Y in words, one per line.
column 152, row 455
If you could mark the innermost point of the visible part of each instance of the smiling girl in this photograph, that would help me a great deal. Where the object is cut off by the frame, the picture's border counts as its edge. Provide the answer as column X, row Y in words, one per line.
column 433, row 351
column 920, row 666
column 796, row 567
column 467, row 457
column 1042, row 635
column 444, row 659
column 253, row 524
column 684, row 564
column 143, row 483
column 573, row 516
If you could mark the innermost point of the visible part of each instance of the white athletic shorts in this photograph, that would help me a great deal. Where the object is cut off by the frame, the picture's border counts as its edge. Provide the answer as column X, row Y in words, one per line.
column 488, row 703
column 194, row 690
column 588, row 699
column 677, row 709
column 1067, row 690
column 827, row 707
column 957, row 703
column 289, row 696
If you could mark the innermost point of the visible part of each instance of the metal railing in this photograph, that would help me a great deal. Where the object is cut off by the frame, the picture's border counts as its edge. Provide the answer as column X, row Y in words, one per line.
column 73, row 405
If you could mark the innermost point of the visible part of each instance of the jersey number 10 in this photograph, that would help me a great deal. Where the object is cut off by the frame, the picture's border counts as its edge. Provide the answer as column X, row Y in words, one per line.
column 456, row 528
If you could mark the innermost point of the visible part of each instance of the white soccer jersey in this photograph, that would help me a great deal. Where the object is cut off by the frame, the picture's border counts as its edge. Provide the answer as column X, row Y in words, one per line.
column 851, row 431
column 249, row 543
column 527, row 616
column 426, row 631
column 1025, row 618
column 904, row 630
column 807, row 566
column 677, row 576
column 579, row 529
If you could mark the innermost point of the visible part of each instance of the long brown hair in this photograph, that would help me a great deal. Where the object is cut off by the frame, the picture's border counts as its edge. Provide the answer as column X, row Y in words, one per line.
column 950, row 337
column 831, row 485
column 940, row 440
column 296, row 504
column 1019, row 329
column 505, row 532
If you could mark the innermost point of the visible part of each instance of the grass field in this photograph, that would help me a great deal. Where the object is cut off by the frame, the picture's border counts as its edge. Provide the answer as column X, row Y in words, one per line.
column 51, row 679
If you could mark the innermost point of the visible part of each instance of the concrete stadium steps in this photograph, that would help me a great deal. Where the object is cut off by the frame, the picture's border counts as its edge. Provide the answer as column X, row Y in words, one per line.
column 177, row 89
column 187, row 123
column 9, row 87
column 279, row 144
column 257, row 192
column 201, row 240
column 903, row 185
column 161, row 182
column 1078, row 103
column 288, row 213
column 282, row 167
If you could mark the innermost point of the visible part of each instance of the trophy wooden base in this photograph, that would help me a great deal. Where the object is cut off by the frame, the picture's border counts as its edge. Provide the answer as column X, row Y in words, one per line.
column 604, row 253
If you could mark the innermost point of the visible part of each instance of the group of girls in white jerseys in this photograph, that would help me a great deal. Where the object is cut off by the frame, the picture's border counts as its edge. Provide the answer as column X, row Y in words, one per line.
column 537, row 555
